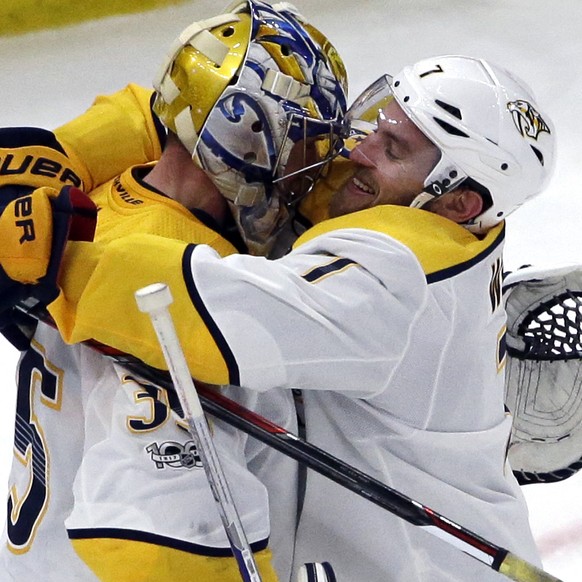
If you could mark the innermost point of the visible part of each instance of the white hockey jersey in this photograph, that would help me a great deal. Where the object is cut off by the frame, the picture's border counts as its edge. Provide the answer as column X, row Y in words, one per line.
column 141, row 478
column 390, row 321
column 141, row 491
column 434, row 430
column 100, row 451
column 48, row 449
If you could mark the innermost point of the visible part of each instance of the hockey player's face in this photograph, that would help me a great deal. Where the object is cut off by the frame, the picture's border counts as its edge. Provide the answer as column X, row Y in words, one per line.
column 390, row 164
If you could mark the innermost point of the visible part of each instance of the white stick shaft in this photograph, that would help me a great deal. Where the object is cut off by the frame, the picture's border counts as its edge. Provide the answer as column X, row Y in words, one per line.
column 154, row 300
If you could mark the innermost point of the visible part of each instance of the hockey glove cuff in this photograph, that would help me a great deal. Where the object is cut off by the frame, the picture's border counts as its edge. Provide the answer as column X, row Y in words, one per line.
column 34, row 230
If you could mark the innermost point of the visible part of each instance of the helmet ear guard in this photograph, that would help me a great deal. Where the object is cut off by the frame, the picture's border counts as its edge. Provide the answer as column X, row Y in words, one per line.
column 257, row 96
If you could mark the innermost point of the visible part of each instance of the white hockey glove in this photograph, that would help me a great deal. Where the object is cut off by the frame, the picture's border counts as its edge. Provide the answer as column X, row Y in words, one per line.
column 544, row 372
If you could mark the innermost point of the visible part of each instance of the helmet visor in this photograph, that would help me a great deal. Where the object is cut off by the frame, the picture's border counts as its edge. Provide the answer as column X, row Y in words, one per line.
column 364, row 112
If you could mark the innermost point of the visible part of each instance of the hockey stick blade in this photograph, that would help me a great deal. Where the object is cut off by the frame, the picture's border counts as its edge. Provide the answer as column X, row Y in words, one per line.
column 227, row 410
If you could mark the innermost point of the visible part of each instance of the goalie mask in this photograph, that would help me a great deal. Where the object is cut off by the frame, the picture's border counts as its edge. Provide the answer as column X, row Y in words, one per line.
column 491, row 134
column 257, row 96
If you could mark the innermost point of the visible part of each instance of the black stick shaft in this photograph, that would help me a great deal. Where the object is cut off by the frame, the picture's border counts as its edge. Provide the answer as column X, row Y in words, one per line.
column 333, row 468
column 496, row 557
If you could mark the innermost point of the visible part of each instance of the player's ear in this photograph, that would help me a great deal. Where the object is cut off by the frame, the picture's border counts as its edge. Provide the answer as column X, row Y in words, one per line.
column 460, row 205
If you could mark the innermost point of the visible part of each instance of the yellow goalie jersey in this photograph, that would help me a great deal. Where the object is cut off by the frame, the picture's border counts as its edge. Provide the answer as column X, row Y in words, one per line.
column 95, row 445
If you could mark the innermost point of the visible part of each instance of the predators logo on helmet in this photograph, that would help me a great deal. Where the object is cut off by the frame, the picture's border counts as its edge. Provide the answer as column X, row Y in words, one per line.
column 527, row 120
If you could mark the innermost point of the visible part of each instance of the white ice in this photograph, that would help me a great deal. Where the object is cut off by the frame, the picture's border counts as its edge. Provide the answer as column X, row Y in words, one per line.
column 49, row 77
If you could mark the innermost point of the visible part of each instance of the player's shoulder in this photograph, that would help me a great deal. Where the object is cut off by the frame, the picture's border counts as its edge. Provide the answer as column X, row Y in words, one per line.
column 442, row 247
column 117, row 131
column 132, row 99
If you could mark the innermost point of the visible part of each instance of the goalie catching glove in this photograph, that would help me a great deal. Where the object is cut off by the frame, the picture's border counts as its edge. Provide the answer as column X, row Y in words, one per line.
column 544, row 372
column 34, row 230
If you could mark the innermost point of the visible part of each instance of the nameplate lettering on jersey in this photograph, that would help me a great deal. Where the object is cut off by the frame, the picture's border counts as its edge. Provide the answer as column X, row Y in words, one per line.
column 442, row 247
column 124, row 194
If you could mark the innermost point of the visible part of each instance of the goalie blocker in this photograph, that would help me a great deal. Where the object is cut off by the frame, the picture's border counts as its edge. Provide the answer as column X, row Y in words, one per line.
column 544, row 372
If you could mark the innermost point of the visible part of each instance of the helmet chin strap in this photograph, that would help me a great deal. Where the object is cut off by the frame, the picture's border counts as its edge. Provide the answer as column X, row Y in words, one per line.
column 422, row 199
column 444, row 178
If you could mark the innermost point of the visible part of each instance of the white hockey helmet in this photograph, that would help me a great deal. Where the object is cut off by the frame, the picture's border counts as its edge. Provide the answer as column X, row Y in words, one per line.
column 488, row 127
column 486, row 124
column 257, row 95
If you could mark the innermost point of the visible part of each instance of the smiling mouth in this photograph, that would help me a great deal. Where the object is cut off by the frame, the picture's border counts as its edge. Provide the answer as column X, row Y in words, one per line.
column 362, row 186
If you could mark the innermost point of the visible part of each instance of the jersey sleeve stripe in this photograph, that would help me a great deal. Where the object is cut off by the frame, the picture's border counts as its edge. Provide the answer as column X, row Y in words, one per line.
column 336, row 265
column 219, row 339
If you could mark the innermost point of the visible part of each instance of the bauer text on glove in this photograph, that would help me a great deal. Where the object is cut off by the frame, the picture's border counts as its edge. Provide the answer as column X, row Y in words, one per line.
column 33, row 232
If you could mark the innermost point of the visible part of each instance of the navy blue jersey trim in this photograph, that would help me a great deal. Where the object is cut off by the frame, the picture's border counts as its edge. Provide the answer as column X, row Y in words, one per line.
column 310, row 569
column 229, row 359
column 329, row 572
column 311, row 572
column 335, row 265
column 461, row 267
column 158, row 540
column 16, row 137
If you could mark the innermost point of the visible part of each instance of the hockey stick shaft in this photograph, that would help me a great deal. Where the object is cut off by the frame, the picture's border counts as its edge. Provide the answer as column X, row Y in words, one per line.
column 496, row 557
column 366, row 486
column 225, row 409
column 155, row 300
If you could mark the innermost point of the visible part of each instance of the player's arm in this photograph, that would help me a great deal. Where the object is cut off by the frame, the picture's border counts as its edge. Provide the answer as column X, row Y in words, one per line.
column 116, row 132
column 243, row 320
column 95, row 276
